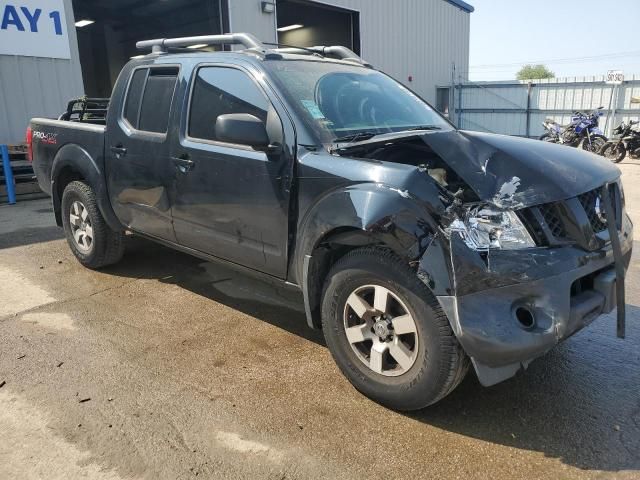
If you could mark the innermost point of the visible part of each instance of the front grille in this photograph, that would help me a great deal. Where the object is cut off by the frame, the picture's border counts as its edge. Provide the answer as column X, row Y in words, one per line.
column 558, row 223
column 550, row 215
column 594, row 208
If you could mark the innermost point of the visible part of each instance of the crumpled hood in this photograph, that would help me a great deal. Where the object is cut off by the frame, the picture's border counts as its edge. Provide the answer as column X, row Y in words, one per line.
column 513, row 172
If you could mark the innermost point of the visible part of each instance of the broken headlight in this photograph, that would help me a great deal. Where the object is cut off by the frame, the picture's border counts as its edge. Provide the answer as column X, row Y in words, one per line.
column 484, row 228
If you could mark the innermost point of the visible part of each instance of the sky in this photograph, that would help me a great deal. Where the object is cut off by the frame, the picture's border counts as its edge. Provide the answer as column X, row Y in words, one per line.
column 572, row 38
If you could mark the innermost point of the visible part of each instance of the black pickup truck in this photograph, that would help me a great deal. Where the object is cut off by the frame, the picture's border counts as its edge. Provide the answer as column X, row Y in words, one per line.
column 419, row 248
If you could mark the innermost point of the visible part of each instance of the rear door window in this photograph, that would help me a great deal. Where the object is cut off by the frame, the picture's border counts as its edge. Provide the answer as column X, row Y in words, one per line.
column 136, row 86
column 149, row 98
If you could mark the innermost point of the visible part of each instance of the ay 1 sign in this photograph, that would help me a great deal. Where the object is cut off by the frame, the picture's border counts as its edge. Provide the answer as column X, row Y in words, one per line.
column 33, row 28
column 614, row 77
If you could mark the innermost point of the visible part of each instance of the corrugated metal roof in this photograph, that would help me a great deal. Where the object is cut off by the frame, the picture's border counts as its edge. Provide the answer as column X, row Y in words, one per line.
column 463, row 5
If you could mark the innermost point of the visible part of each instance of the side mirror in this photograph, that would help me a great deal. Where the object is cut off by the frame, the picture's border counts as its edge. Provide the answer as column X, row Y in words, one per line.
column 243, row 129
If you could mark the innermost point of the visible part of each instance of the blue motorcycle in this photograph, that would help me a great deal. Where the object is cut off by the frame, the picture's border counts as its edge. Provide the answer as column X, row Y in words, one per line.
column 582, row 131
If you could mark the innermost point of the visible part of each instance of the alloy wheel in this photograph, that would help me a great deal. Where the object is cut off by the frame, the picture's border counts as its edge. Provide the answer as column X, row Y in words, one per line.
column 381, row 330
column 81, row 227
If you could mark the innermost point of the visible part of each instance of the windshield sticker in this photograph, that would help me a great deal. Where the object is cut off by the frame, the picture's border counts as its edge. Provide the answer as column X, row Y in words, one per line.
column 313, row 108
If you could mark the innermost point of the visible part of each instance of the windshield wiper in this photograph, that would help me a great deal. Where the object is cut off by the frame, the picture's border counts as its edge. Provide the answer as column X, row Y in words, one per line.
column 423, row 127
column 362, row 136
column 354, row 137
column 350, row 139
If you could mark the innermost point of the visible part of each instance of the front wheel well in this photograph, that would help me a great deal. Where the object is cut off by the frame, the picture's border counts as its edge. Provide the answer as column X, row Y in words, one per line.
column 328, row 250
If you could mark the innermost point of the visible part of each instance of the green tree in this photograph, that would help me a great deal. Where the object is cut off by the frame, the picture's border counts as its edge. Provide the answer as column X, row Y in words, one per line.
column 534, row 72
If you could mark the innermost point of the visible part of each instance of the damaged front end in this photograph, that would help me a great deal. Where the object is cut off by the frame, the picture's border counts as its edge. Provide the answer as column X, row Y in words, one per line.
column 526, row 275
column 533, row 244
column 511, row 302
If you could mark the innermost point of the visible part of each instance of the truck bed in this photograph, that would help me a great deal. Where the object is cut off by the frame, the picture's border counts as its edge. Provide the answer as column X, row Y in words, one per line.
column 51, row 136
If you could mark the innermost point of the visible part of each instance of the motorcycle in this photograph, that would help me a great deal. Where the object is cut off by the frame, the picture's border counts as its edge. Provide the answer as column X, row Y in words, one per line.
column 582, row 131
column 628, row 141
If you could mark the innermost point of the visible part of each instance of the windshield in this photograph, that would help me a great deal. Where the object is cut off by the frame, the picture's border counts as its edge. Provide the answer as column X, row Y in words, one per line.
column 340, row 101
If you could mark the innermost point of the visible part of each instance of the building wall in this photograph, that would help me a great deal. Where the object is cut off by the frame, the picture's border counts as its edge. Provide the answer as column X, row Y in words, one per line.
column 417, row 38
column 32, row 86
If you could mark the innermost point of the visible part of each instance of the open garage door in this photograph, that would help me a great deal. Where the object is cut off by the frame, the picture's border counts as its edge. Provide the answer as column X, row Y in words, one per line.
column 304, row 23
column 108, row 31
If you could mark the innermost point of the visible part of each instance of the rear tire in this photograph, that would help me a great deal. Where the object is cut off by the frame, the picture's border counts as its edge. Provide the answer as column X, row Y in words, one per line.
column 614, row 152
column 93, row 243
column 404, row 371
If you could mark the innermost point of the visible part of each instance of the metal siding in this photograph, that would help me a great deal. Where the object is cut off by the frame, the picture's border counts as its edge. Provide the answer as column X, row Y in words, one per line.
column 556, row 98
column 487, row 97
column 247, row 16
column 37, row 87
column 421, row 38
column 505, row 123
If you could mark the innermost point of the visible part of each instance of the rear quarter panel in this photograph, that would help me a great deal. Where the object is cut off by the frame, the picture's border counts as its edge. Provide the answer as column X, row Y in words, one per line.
column 50, row 137
column 62, row 146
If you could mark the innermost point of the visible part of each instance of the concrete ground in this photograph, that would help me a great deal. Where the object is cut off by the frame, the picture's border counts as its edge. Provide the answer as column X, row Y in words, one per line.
column 168, row 367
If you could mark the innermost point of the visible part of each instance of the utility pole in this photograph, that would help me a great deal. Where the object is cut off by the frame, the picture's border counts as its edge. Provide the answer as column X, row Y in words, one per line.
column 613, row 112
column 453, row 114
column 528, row 130
column 459, row 124
column 615, row 78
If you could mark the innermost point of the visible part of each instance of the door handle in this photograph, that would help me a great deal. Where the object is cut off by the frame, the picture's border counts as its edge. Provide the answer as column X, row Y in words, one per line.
column 119, row 151
column 183, row 163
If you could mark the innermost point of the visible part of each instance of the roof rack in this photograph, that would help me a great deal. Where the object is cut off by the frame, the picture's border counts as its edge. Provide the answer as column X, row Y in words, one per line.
column 160, row 45
column 335, row 51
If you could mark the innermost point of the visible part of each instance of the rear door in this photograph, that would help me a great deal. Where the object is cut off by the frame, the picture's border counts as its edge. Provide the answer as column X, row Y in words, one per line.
column 232, row 201
column 139, row 168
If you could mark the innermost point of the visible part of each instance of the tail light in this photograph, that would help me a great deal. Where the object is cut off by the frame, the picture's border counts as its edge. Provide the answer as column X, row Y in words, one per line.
column 29, row 138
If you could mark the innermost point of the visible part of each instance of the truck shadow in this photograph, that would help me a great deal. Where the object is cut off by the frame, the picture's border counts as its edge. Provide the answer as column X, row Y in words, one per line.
column 579, row 404
column 28, row 236
column 271, row 303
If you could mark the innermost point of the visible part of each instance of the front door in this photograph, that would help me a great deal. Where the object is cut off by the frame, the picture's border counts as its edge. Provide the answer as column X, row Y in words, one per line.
column 139, row 169
column 231, row 201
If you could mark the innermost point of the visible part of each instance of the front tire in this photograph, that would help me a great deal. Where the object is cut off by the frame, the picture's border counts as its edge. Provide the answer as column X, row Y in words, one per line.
column 91, row 240
column 547, row 137
column 596, row 144
column 387, row 332
column 614, row 152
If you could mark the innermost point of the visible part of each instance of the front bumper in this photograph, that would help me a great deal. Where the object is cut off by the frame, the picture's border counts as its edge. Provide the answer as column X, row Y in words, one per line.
column 563, row 289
